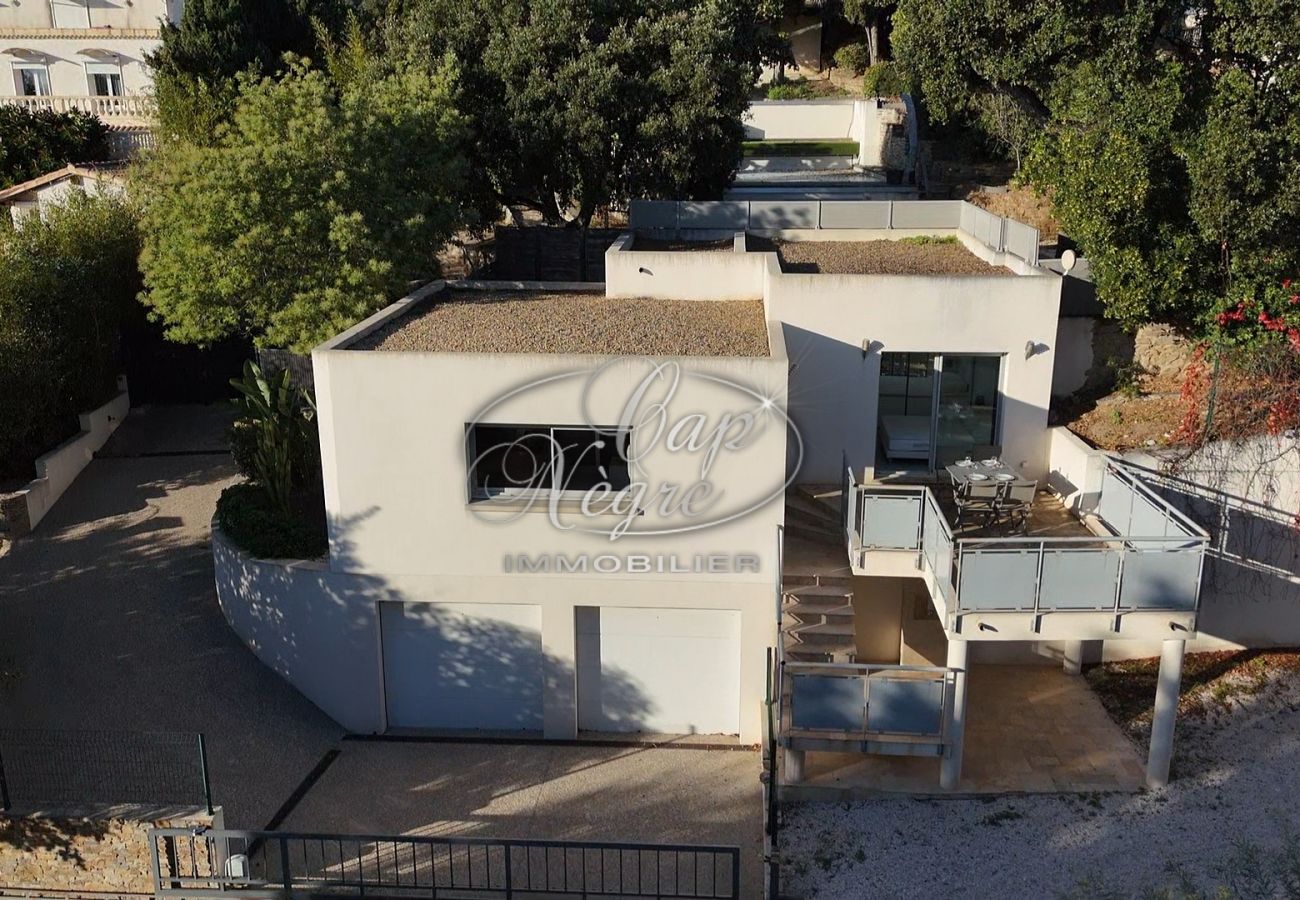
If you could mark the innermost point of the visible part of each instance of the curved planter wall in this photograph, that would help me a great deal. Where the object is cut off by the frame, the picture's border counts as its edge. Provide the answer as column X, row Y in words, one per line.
column 316, row 628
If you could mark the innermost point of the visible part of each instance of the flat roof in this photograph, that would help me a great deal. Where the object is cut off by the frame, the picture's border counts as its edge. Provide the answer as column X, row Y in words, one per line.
column 878, row 257
column 580, row 322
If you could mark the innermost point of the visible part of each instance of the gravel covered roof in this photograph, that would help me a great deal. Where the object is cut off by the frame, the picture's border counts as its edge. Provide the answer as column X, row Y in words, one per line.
column 875, row 258
column 473, row 321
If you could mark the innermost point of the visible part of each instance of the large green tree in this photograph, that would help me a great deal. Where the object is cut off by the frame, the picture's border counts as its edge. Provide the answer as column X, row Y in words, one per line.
column 315, row 207
column 576, row 104
column 194, row 67
column 1170, row 136
column 34, row 142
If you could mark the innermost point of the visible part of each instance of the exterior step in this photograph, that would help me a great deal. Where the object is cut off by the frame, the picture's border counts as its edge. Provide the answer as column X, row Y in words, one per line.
column 826, row 629
column 815, row 591
column 796, row 516
column 798, row 503
column 815, row 535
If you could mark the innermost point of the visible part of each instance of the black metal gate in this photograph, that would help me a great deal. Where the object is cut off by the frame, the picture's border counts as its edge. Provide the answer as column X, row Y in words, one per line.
column 264, row 864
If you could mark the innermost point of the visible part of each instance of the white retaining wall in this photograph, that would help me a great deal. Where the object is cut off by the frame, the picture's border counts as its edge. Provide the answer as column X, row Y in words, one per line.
column 864, row 120
column 57, row 469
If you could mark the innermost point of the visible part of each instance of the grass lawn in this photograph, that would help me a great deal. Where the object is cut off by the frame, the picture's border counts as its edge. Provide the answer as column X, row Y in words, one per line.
column 800, row 148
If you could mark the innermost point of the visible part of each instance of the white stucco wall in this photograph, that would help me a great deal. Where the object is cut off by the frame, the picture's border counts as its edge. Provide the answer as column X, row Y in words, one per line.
column 698, row 275
column 57, row 469
column 861, row 119
column 392, row 429
column 834, row 385
column 67, row 65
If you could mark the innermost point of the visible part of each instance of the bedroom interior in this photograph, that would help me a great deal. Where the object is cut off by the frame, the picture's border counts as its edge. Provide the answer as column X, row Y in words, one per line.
column 924, row 424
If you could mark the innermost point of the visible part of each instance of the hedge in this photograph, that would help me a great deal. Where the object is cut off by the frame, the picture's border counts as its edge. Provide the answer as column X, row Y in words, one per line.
column 65, row 282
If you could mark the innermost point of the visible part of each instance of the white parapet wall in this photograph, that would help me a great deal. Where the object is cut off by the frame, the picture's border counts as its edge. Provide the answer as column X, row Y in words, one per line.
column 56, row 470
column 864, row 120
column 1075, row 470
column 674, row 275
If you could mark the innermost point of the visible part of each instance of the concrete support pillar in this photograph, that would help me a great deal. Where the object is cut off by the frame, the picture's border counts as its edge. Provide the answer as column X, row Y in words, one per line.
column 1166, row 713
column 1072, row 657
column 793, row 769
column 950, row 764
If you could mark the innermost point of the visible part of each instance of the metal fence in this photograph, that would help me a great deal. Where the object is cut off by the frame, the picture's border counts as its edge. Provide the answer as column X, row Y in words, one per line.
column 258, row 864
column 74, row 768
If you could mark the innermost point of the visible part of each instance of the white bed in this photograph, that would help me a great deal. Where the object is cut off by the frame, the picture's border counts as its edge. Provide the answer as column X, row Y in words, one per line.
column 906, row 437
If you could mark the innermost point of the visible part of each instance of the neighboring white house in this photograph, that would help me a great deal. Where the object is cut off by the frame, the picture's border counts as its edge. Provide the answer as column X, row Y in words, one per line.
column 39, row 194
column 81, row 54
column 464, row 592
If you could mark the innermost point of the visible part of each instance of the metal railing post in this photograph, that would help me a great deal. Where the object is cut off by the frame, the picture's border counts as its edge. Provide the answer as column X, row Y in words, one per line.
column 4, row 786
column 284, row 865
column 203, row 772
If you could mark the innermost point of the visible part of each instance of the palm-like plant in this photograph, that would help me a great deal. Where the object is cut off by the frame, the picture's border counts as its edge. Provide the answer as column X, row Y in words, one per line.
column 282, row 417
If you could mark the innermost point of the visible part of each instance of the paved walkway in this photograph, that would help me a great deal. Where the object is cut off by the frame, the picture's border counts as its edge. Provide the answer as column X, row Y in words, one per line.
column 549, row 792
column 1031, row 729
column 109, row 619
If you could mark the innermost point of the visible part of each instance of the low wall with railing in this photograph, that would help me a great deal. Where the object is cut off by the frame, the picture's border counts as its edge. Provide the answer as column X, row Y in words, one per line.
column 1013, row 242
column 125, row 107
column 1151, row 558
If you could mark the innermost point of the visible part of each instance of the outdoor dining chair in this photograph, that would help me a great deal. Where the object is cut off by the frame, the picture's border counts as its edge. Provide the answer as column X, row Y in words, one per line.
column 976, row 500
column 1014, row 502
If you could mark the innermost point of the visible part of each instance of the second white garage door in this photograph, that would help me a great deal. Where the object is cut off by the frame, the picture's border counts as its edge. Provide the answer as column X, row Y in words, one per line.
column 667, row 671
column 462, row 665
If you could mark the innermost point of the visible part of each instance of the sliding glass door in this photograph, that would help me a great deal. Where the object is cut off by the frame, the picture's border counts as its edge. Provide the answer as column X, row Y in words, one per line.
column 966, row 408
column 933, row 409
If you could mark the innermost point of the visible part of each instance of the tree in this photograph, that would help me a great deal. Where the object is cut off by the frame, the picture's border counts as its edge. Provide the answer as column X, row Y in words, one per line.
column 576, row 105
column 314, row 208
column 66, row 278
column 215, row 40
column 1170, row 139
column 874, row 18
column 34, row 142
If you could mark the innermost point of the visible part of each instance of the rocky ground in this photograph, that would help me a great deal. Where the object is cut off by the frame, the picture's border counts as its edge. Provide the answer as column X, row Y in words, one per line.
column 1225, row 827
column 876, row 257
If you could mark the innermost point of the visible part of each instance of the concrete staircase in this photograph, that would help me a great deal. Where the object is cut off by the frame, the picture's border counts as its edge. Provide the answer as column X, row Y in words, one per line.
column 818, row 620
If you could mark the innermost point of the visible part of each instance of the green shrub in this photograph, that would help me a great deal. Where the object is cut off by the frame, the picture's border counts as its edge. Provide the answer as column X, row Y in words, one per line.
column 34, row 142
column 929, row 240
column 248, row 517
column 854, row 58
column 242, row 439
column 284, row 454
column 791, row 90
column 883, row 80
column 66, row 278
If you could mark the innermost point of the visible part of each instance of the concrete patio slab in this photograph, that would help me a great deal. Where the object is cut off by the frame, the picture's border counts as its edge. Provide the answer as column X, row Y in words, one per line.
column 1031, row 729
column 587, row 792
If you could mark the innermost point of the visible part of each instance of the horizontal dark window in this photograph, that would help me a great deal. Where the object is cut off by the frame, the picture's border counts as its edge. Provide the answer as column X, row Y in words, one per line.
column 517, row 459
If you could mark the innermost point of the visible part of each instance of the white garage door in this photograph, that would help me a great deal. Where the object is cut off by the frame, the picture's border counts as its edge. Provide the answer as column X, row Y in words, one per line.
column 462, row 665
column 669, row 671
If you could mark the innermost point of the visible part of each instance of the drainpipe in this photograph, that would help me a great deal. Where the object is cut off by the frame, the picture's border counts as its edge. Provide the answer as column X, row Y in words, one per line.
column 950, row 764
column 1166, row 713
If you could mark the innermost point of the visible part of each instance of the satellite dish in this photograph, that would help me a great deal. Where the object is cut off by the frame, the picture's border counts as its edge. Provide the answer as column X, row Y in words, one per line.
column 1068, row 259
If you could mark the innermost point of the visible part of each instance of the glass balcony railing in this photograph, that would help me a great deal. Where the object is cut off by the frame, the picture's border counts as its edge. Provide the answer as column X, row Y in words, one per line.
column 1141, row 554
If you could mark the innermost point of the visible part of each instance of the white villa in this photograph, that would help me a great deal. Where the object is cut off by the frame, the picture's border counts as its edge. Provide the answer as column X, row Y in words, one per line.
column 788, row 472
column 81, row 54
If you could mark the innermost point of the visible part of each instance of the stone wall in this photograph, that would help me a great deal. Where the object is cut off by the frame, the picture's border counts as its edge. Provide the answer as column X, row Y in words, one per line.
column 111, row 855
column 1160, row 350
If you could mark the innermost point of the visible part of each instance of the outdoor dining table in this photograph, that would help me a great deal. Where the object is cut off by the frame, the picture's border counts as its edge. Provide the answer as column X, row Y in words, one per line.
column 995, row 471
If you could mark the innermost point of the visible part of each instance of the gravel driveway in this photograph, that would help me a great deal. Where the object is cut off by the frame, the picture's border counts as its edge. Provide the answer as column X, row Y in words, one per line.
column 109, row 618
column 1230, row 808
